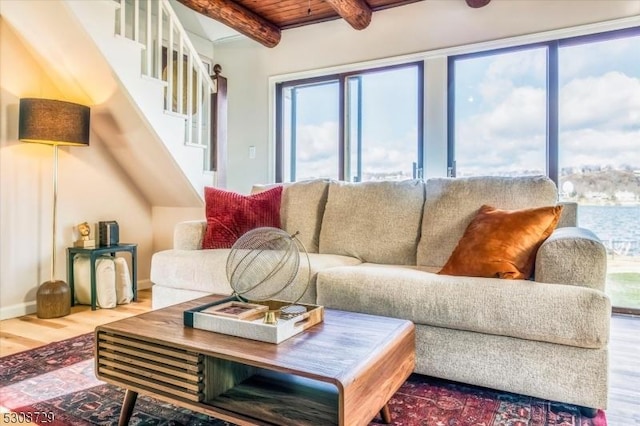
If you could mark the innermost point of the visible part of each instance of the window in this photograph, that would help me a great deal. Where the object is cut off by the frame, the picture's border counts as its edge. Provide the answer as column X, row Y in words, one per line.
column 311, row 117
column 356, row 126
column 599, row 151
column 569, row 109
column 499, row 108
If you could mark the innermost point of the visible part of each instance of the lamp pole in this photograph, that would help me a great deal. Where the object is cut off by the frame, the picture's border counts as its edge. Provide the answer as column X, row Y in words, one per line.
column 55, row 205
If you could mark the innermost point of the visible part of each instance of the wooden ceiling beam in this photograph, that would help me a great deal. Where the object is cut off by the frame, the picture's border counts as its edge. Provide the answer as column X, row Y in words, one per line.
column 239, row 18
column 477, row 3
column 356, row 12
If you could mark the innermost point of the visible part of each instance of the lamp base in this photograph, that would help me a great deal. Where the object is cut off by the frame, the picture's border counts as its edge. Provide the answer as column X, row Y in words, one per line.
column 53, row 299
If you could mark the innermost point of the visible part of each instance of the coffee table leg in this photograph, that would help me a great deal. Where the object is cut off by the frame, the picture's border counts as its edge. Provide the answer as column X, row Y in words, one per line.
column 127, row 407
column 385, row 413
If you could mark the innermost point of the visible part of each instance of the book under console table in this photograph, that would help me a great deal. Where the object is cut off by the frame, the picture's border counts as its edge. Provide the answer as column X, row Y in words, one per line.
column 342, row 371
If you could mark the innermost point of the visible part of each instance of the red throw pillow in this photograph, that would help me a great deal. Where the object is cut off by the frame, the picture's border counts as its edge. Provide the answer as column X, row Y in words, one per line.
column 230, row 215
column 502, row 243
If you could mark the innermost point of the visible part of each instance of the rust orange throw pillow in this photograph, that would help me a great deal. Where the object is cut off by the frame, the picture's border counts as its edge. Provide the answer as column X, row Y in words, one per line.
column 502, row 243
column 230, row 215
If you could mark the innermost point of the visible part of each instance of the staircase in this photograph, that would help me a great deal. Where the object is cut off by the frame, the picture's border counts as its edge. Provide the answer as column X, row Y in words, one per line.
column 150, row 109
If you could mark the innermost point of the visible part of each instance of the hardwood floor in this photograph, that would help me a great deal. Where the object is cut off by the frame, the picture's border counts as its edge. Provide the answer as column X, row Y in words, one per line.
column 29, row 332
column 624, row 371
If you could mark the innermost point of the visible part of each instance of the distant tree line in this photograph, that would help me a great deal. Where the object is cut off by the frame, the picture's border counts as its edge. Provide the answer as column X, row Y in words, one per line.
column 600, row 183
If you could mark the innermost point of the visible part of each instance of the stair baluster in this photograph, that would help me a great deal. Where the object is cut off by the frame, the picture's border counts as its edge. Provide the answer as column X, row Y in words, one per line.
column 169, row 55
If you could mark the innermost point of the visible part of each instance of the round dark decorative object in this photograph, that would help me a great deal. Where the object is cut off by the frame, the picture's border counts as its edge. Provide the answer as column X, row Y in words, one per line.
column 53, row 299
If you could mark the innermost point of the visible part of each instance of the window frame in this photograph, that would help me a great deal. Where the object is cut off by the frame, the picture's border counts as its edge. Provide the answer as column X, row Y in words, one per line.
column 342, row 78
column 552, row 95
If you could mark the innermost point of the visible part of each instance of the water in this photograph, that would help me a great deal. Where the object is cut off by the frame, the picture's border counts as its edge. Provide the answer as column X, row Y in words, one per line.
column 617, row 226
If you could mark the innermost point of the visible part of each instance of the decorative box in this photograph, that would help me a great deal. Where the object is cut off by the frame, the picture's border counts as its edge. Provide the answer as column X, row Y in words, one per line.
column 108, row 233
column 253, row 326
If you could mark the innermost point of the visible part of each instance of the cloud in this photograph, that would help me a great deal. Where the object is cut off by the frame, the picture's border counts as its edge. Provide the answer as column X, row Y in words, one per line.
column 317, row 141
column 317, row 151
column 605, row 147
column 390, row 155
column 528, row 63
column 504, row 73
column 600, row 124
column 522, row 112
column 610, row 101
column 507, row 156
column 596, row 58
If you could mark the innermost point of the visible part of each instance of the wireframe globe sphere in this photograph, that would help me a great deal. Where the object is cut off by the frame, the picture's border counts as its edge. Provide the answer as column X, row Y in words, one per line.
column 262, row 263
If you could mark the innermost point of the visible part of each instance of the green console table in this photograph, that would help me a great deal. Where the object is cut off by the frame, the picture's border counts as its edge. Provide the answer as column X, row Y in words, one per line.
column 94, row 253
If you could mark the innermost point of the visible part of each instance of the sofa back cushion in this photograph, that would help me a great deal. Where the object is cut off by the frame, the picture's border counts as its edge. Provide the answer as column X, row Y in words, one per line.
column 451, row 204
column 302, row 209
column 377, row 222
column 569, row 216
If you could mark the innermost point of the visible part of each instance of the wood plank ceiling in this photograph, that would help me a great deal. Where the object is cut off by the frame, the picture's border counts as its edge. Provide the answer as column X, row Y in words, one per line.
column 263, row 20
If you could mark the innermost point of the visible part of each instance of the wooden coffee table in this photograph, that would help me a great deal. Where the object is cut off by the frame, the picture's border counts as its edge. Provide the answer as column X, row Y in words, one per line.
column 341, row 371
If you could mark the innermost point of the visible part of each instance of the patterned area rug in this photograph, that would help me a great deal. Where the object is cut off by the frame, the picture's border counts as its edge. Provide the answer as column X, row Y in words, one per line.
column 55, row 385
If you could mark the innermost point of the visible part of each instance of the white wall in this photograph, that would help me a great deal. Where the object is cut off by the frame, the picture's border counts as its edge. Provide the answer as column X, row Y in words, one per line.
column 419, row 27
column 165, row 219
column 92, row 187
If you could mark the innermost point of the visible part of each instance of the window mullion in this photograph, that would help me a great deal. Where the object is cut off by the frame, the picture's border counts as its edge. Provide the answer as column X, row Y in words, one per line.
column 342, row 128
column 359, row 128
column 279, row 132
column 294, row 134
column 553, row 91
column 353, row 118
column 451, row 116
column 420, row 123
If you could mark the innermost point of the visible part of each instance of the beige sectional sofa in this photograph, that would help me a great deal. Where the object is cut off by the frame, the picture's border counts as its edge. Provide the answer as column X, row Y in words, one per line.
column 375, row 247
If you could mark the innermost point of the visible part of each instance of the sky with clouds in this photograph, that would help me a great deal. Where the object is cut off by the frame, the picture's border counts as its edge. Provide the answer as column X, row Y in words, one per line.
column 387, row 149
column 501, row 108
column 500, row 114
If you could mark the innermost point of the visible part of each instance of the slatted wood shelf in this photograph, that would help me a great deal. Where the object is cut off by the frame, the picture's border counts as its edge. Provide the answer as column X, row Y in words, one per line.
column 155, row 367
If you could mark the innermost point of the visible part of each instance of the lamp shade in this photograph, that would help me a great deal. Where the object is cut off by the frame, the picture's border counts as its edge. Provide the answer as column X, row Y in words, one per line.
column 53, row 122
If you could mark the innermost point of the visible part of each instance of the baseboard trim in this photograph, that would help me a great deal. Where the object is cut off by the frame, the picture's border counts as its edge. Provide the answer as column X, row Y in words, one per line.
column 17, row 310
column 144, row 284
column 22, row 309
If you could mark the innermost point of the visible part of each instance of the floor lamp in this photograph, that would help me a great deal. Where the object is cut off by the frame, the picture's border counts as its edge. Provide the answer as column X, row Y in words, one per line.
column 54, row 123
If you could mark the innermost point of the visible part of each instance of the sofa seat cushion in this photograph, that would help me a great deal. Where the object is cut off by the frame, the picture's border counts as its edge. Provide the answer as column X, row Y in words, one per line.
column 376, row 222
column 205, row 271
column 561, row 314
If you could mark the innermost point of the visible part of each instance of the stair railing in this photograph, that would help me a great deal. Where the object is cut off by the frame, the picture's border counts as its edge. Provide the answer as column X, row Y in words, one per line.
column 188, row 85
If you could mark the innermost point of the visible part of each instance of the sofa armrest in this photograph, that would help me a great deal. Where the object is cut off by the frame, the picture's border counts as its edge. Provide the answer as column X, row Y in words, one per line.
column 572, row 255
column 189, row 235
